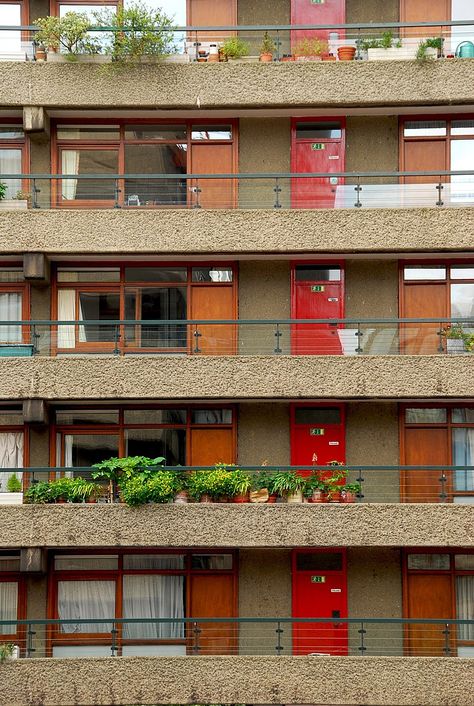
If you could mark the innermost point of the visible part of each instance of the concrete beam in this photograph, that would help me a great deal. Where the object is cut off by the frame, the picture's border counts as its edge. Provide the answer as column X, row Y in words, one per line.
column 35, row 412
column 36, row 123
column 36, row 268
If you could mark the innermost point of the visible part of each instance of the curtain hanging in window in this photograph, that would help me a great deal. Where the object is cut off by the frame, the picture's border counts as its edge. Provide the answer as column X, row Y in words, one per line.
column 83, row 600
column 11, row 456
column 463, row 455
column 8, row 605
column 66, row 312
column 10, row 310
column 153, row 597
column 465, row 605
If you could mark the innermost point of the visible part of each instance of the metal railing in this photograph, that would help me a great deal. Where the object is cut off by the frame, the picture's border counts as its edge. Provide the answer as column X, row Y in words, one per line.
column 341, row 337
column 374, row 483
column 269, row 190
column 290, row 42
column 281, row 636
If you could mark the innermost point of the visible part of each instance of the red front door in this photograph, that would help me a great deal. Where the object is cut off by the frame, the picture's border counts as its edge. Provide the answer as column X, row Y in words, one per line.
column 317, row 435
column 317, row 293
column 316, row 12
column 320, row 591
column 317, row 147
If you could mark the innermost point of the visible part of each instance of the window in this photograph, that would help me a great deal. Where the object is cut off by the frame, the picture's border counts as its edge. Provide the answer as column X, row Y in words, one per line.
column 147, row 148
column 134, row 586
column 83, row 439
column 139, row 295
column 12, row 595
column 12, row 152
column 13, row 45
column 12, row 447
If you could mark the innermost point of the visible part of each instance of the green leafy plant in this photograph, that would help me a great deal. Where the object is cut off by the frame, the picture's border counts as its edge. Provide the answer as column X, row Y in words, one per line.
column 14, row 484
column 386, row 41
column 309, row 46
column 134, row 491
column 79, row 490
column 116, row 469
column 68, row 34
column 287, row 482
column 137, row 31
column 457, row 333
column 430, row 43
column 163, row 486
column 216, row 483
column 234, row 48
column 3, row 190
column 7, row 650
column 354, row 488
column 240, row 482
column 39, row 493
column 268, row 45
column 313, row 483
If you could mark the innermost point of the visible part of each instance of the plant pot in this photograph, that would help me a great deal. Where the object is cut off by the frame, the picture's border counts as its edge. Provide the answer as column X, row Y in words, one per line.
column 308, row 58
column 335, row 496
column 241, row 498
column 348, row 497
column 328, row 57
column 205, row 499
column 272, row 499
column 11, row 498
column 266, row 58
column 244, row 59
column 40, row 54
column 91, row 501
column 60, row 501
column 346, row 53
column 222, row 499
column 294, row 498
column 13, row 204
column 455, row 346
column 213, row 59
column 288, row 57
column 181, row 498
column 260, row 496
column 319, row 496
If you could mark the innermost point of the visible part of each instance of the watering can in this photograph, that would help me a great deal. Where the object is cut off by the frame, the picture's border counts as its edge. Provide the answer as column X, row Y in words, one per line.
column 465, row 50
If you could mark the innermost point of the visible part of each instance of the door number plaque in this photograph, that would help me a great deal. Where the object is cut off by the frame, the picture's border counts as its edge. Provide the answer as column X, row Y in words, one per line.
column 318, row 579
column 316, row 432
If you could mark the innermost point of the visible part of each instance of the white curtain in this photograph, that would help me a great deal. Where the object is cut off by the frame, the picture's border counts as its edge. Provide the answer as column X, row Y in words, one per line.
column 10, row 310
column 8, row 605
column 68, row 444
column 11, row 456
column 66, row 312
column 10, row 163
column 465, row 605
column 80, row 600
column 82, row 329
column 70, row 165
column 153, row 597
column 463, row 452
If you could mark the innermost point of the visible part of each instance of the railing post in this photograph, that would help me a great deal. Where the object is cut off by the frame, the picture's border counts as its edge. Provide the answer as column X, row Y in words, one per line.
column 278, row 335
column 360, row 479
column 358, row 189
column 443, row 479
column 278, row 44
column 197, row 335
column 279, row 633
column 34, row 192
column 113, row 646
column 447, row 635
column 277, row 190
column 439, row 188
column 440, row 338
column 359, row 335
column 34, row 338
column 116, row 339
column 117, row 192
column 29, row 640
column 362, row 648
column 196, row 631
column 197, row 45
column 196, row 190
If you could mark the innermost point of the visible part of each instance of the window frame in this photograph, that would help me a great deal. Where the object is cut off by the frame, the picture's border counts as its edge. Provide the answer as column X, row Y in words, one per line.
column 448, row 281
column 19, row 636
column 21, row 144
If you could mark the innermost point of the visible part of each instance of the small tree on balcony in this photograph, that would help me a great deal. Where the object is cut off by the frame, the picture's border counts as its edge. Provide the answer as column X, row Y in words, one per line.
column 68, row 34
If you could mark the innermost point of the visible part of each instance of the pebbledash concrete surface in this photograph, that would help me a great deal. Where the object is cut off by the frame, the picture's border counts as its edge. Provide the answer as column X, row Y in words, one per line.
column 236, row 231
column 236, row 377
column 229, row 525
column 373, row 681
column 230, row 85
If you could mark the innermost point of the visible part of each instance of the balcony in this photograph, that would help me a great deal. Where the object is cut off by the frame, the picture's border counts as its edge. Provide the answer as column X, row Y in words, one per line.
column 246, row 660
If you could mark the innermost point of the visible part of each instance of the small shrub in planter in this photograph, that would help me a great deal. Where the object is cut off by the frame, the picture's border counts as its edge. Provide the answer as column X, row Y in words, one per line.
column 267, row 48
column 7, row 651
column 289, row 485
column 68, row 35
column 14, row 484
column 3, row 190
column 262, row 488
column 350, row 492
column 215, row 483
column 240, row 486
column 162, row 486
column 39, row 493
column 315, row 489
column 310, row 49
column 134, row 491
column 116, row 469
column 234, row 48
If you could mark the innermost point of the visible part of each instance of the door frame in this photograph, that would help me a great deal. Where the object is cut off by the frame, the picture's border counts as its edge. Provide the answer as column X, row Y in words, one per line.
column 319, row 263
column 318, row 119
column 339, row 405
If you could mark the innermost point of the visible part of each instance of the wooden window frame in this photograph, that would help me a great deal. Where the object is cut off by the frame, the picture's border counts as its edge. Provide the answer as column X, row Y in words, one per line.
column 449, row 425
column 55, row 638
column 120, row 286
column 21, row 144
column 24, row 9
column 119, row 143
column 19, row 636
column 55, row 4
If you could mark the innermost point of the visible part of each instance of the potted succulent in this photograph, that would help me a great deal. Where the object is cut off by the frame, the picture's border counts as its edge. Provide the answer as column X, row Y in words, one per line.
column 241, row 483
column 68, row 38
column 350, row 492
column 235, row 49
column 310, row 49
column 289, row 485
column 267, row 48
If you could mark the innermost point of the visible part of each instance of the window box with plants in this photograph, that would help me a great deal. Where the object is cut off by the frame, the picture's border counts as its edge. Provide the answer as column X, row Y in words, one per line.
column 235, row 49
column 388, row 47
column 67, row 39
column 19, row 202
column 12, row 493
column 458, row 341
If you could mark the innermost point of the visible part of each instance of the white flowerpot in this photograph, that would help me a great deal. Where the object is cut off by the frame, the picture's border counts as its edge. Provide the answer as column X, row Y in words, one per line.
column 11, row 498
column 293, row 498
column 393, row 54
column 455, row 346
column 13, row 205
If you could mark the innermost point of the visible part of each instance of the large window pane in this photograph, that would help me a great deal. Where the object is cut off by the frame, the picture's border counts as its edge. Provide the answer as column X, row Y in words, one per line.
column 8, row 605
column 465, row 605
column 170, row 443
column 10, row 163
column 10, row 310
column 463, row 455
column 11, row 456
column 98, row 306
column 156, row 304
column 88, row 161
column 82, row 600
column 156, row 132
column 462, row 159
column 87, row 449
column 462, row 300
column 153, row 597
column 10, row 14
column 155, row 159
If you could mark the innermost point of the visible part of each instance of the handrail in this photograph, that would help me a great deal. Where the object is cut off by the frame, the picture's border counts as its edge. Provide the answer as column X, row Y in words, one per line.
column 246, row 176
column 468, row 321
column 257, row 468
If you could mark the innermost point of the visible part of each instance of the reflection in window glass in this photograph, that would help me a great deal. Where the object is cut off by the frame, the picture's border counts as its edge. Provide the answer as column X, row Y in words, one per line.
column 155, row 159
column 424, row 415
column 463, row 455
column 462, row 272
column 157, row 304
column 9, row 562
column 318, row 130
column 212, row 416
column 212, row 274
column 462, row 127
column 153, row 561
column 462, row 301
column 422, row 272
column 10, row 132
column 86, row 161
column 156, row 274
column 10, row 163
column 464, row 562
column 463, row 414
column 87, row 449
column 86, row 562
column 425, row 128
column 317, row 415
column 465, row 606
column 87, row 416
column 315, row 273
column 319, row 561
column 155, row 416
column 429, row 561
column 11, row 275
column 88, row 132
column 169, row 443
column 211, row 132
column 98, row 306
column 156, row 132
column 66, row 274
column 221, row 562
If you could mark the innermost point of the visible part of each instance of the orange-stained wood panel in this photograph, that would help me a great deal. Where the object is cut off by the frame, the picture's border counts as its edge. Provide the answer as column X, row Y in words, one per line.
column 211, row 446
column 423, row 301
column 213, row 597
column 429, row 596
column 425, row 156
column 424, row 11
column 211, row 13
column 208, row 303
column 430, row 447
column 214, row 159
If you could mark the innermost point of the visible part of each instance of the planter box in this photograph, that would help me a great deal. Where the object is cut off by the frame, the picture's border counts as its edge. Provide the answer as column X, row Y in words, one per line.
column 455, row 346
column 245, row 60
column 57, row 58
column 11, row 498
column 17, row 350
column 13, row 205
column 177, row 59
column 399, row 53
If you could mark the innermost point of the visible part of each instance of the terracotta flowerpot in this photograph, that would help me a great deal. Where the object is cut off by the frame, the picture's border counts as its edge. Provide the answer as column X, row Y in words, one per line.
column 288, row 57
column 205, row 499
column 213, row 59
column 335, row 496
column 181, row 498
column 272, row 499
column 328, row 57
column 348, row 497
column 266, row 58
column 242, row 498
column 90, row 501
column 222, row 499
column 319, row 496
column 40, row 54
column 346, row 53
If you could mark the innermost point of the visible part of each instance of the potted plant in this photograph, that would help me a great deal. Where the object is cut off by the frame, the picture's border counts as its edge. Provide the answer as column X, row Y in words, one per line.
column 241, row 483
column 162, row 486
column 182, row 495
column 387, row 47
column 212, row 485
column 117, row 469
column 261, row 488
column 310, row 49
column 62, row 490
column 38, row 493
column 267, row 48
column 7, row 651
column 13, row 494
column 289, row 485
column 10, row 203
column 134, row 491
column 81, row 490
column 458, row 341
column 430, row 49
column 350, row 492
column 335, row 482
column 67, row 38
column 315, row 489
column 140, row 34
column 235, row 49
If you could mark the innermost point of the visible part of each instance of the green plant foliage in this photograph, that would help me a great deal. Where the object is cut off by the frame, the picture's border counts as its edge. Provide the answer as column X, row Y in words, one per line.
column 287, row 482
column 268, row 45
column 68, row 34
column 114, row 469
column 14, row 484
column 3, row 190
column 163, row 486
column 457, row 333
column 137, row 31
column 235, row 48
column 7, row 650
column 134, row 491
column 240, row 482
column 39, row 493
column 216, row 482
column 313, row 482
column 387, row 41
column 310, row 46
